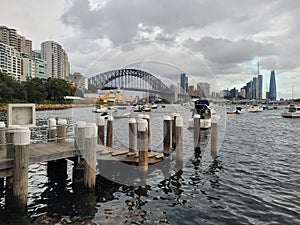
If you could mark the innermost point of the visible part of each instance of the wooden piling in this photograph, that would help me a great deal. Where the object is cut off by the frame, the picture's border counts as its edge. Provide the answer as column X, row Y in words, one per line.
column 101, row 125
column 179, row 140
column 109, row 132
column 2, row 136
column 167, row 135
column 61, row 130
column 52, row 129
column 173, row 117
column 214, row 136
column 147, row 117
column 10, row 153
column 132, row 135
column 142, row 144
column 20, row 166
column 197, row 133
column 91, row 133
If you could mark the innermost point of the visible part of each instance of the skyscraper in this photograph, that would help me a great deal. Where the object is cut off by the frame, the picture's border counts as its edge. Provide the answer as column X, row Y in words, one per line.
column 259, row 87
column 254, row 87
column 272, row 88
column 183, row 83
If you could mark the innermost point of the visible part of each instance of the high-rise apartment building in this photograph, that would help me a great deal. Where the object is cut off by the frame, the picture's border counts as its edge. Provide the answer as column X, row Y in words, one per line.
column 9, row 36
column 10, row 61
column 272, row 87
column 57, row 59
column 33, row 68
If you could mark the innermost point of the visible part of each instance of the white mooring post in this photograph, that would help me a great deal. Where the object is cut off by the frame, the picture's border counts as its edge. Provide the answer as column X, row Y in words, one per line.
column 142, row 144
column 101, row 129
column 2, row 136
column 91, row 136
column 52, row 130
column 109, row 132
column 214, row 136
column 167, row 135
column 61, row 130
column 179, row 141
column 80, row 135
column 20, row 169
column 197, row 132
column 132, row 135
column 147, row 117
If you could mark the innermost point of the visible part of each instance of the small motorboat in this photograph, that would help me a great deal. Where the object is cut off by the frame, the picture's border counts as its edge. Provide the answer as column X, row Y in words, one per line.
column 256, row 108
column 292, row 112
column 100, row 109
column 202, row 108
column 238, row 110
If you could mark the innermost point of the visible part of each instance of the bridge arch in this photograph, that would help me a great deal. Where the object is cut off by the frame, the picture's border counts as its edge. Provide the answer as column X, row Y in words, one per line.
column 100, row 80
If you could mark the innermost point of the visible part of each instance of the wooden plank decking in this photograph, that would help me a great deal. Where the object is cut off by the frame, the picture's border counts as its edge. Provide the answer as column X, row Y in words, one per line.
column 53, row 151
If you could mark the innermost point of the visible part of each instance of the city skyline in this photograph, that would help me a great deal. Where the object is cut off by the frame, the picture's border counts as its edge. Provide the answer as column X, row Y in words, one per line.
column 227, row 41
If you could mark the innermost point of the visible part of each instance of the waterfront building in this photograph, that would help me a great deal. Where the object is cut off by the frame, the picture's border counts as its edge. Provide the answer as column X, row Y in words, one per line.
column 9, row 36
column 10, row 61
column 254, row 88
column 57, row 59
column 272, row 87
column 33, row 68
column 79, row 81
column 249, row 90
column 203, row 89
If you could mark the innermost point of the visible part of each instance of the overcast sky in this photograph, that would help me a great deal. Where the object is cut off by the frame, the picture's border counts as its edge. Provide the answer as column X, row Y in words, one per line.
column 215, row 41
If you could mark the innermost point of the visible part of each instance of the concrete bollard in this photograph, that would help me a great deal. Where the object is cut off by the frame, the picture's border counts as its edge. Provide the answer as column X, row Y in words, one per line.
column 109, row 132
column 167, row 135
column 61, row 130
column 101, row 125
column 197, row 133
column 173, row 117
column 214, row 136
column 52, row 130
column 20, row 169
column 79, row 135
column 91, row 133
column 2, row 136
column 132, row 135
column 179, row 141
column 142, row 144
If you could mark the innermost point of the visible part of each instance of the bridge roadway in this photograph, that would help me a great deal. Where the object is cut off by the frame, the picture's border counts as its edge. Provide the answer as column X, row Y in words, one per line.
column 45, row 152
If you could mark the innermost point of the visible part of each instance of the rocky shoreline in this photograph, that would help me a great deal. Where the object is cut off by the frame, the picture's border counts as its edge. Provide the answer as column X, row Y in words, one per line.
column 40, row 107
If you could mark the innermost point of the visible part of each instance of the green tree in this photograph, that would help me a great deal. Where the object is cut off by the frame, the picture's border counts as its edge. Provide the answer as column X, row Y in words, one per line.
column 57, row 89
column 36, row 90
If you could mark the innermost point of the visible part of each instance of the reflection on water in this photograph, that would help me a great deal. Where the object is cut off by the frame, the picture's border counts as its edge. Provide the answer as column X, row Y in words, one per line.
column 254, row 180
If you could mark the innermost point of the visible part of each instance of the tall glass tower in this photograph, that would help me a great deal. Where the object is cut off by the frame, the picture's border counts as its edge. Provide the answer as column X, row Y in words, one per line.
column 272, row 88
column 183, row 83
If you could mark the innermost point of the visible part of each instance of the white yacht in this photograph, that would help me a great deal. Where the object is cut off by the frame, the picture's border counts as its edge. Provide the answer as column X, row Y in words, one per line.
column 202, row 108
column 292, row 112
column 100, row 109
column 255, row 108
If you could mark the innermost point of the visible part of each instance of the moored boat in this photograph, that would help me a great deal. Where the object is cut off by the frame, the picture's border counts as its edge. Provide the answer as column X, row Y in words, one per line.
column 255, row 108
column 202, row 108
column 292, row 112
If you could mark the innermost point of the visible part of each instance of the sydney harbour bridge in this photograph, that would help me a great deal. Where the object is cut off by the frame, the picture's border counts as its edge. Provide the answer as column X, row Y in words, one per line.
column 132, row 80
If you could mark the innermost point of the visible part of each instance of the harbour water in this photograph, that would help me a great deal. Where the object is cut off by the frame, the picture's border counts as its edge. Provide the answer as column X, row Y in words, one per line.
column 255, row 179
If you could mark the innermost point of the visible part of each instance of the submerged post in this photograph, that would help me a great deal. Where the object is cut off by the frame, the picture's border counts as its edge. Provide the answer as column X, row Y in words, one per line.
column 2, row 136
column 214, row 136
column 52, row 129
column 20, row 168
column 109, row 132
column 167, row 135
column 61, row 130
column 91, row 132
column 132, row 135
column 173, row 116
column 197, row 132
column 143, row 144
column 100, row 124
column 179, row 141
